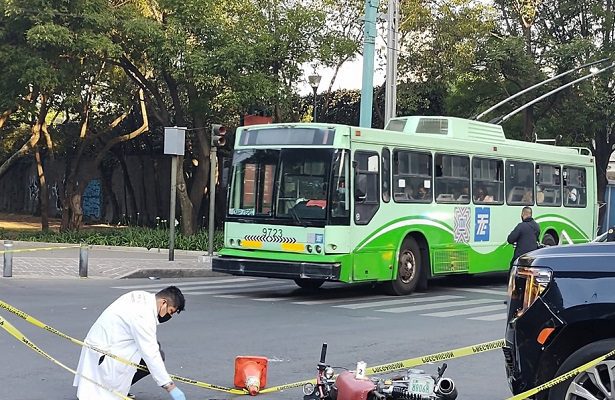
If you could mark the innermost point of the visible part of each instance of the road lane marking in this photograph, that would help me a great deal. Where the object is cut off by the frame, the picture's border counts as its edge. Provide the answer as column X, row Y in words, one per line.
column 492, row 317
column 435, row 306
column 357, row 306
column 467, row 311
column 502, row 292
column 182, row 284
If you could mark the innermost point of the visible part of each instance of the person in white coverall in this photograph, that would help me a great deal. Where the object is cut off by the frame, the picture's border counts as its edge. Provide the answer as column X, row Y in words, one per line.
column 127, row 329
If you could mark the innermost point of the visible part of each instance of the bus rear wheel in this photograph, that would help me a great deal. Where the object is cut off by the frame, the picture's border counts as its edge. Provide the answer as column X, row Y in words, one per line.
column 408, row 270
column 309, row 284
column 548, row 240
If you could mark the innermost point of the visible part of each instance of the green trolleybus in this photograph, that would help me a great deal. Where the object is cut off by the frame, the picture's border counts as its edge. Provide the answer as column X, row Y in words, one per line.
column 425, row 197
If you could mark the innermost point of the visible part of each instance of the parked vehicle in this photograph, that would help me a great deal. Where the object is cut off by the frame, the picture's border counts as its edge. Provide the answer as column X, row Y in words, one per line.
column 562, row 315
column 353, row 385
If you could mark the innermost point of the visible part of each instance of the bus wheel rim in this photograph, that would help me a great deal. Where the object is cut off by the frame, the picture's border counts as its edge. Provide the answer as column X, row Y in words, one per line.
column 585, row 383
column 407, row 267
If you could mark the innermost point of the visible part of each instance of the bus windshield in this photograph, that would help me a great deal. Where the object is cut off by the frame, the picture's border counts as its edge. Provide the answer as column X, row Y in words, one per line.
column 289, row 185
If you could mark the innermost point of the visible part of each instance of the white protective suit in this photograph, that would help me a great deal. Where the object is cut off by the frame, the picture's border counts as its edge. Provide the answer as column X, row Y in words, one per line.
column 127, row 328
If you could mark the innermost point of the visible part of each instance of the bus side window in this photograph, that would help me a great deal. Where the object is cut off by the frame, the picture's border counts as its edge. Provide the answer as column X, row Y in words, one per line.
column 366, row 186
column 452, row 179
column 575, row 192
column 519, row 183
column 548, row 185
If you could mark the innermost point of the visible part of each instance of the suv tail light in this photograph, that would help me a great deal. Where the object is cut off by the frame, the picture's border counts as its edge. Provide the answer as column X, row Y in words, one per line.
column 525, row 285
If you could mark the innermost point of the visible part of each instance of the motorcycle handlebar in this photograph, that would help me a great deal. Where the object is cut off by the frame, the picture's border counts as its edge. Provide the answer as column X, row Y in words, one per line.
column 323, row 353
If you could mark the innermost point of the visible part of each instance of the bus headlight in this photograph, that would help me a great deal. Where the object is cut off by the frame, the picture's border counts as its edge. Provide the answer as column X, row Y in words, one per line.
column 526, row 285
column 318, row 248
column 308, row 248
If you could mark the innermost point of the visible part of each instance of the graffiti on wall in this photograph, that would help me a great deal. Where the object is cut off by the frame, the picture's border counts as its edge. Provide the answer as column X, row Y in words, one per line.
column 91, row 199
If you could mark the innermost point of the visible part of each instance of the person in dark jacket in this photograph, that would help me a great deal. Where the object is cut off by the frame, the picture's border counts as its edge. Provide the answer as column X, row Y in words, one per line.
column 525, row 235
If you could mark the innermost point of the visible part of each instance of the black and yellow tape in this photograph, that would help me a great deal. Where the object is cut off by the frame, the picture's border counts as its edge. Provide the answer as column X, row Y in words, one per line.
column 38, row 249
column 7, row 326
column 383, row 368
column 78, row 342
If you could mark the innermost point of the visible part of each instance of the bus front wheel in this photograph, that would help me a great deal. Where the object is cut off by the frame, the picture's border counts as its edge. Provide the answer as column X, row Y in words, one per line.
column 309, row 284
column 408, row 269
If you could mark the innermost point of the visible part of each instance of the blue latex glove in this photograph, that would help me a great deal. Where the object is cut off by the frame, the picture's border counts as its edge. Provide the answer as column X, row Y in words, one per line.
column 177, row 394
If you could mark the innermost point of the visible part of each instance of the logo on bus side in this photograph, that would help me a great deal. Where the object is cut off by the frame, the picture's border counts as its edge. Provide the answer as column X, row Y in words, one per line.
column 481, row 222
column 462, row 224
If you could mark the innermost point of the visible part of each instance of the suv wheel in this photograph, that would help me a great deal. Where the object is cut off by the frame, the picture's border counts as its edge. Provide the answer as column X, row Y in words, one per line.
column 593, row 383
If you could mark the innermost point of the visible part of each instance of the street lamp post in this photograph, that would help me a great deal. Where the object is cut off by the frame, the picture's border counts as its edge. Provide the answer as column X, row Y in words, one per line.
column 314, row 81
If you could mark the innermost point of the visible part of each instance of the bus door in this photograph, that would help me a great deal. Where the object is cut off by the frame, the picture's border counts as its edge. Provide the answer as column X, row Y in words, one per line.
column 367, row 254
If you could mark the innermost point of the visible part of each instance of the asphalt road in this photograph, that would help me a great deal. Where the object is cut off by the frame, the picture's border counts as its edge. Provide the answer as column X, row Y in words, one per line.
column 227, row 316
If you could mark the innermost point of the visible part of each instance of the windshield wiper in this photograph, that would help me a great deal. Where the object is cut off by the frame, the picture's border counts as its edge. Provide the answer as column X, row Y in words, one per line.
column 296, row 217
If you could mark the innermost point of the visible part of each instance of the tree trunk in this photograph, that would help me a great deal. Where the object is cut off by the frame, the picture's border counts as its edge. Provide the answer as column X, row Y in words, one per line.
column 109, row 197
column 44, row 196
column 129, row 187
column 187, row 226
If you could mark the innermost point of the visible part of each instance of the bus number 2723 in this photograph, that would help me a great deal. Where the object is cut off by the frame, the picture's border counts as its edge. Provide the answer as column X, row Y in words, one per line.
column 272, row 232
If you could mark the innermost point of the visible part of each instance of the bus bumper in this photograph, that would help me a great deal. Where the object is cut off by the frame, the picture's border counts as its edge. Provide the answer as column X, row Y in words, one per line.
column 276, row 269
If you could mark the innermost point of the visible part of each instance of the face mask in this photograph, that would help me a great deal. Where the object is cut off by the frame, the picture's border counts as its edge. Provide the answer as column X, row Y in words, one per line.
column 165, row 317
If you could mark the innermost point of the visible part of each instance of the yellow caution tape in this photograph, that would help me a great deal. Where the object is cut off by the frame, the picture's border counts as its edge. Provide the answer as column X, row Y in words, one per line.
column 562, row 378
column 411, row 362
column 48, row 328
column 19, row 336
column 383, row 368
column 38, row 249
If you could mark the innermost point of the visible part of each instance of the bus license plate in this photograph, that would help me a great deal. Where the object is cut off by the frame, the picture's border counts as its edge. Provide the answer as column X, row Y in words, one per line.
column 422, row 386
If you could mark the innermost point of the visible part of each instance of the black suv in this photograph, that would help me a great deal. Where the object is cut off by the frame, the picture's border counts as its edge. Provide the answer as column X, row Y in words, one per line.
column 561, row 315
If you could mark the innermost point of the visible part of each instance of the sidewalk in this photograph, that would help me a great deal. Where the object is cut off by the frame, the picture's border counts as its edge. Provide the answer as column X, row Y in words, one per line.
column 106, row 262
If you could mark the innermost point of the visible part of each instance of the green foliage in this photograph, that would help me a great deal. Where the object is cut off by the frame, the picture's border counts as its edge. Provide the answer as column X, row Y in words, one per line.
column 129, row 236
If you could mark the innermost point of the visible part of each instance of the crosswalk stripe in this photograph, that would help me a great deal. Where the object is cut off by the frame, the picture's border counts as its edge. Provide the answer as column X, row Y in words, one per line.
column 466, row 311
column 357, row 306
column 336, row 300
column 434, row 306
column 502, row 292
column 492, row 317
column 229, row 296
column 184, row 284
column 244, row 288
column 271, row 299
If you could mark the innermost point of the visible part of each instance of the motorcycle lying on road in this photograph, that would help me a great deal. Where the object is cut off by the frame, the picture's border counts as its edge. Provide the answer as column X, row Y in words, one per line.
column 353, row 385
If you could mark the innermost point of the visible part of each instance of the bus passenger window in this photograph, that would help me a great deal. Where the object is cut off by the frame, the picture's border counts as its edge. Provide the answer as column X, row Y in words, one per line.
column 575, row 191
column 548, row 185
column 487, row 181
column 412, row 179
column 452, row 179
column 520, row 183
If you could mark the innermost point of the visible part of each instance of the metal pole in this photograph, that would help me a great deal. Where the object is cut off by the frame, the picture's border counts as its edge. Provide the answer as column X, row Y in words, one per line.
column 83, row 260
column 369, row 45
column 315, row 89
column 390, row 100
column 172, row 209
column 8, row 259
column 213, row 166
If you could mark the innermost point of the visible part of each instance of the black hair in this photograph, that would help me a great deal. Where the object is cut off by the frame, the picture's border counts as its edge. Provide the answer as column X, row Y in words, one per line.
column 527, row 210
column 174, row 296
